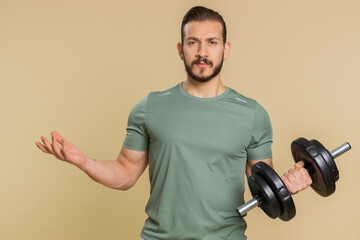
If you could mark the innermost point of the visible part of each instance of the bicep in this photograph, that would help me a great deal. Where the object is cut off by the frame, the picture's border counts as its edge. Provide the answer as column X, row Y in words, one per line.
column 134, row 162
column 252, row 162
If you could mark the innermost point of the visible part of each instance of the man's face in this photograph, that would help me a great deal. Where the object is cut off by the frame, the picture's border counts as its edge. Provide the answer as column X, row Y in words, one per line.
column 203, row 50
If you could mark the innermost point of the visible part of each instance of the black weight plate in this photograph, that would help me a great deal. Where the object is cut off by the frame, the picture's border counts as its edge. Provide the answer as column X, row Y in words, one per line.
column 261, row 190
column 322, row 181
column 328, row 159
column 278, row 187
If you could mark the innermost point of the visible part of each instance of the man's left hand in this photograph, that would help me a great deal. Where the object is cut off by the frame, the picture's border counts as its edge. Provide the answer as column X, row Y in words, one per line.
column 297, row 179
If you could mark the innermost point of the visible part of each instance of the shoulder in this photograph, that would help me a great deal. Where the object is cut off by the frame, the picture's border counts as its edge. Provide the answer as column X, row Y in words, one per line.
column 171, row 90
column 154, row 96
column 254, row 106
column 163, row 94
column 242, row 99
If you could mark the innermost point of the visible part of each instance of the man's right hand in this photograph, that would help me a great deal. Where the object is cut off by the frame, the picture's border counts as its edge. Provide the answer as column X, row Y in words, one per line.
column 66, row 152
column 119, row 174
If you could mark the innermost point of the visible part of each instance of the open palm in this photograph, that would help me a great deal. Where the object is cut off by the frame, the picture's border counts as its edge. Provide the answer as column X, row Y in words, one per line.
column 67, row 151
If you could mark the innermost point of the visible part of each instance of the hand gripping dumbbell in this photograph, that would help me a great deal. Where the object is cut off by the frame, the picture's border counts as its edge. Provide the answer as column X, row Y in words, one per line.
column 270, row 193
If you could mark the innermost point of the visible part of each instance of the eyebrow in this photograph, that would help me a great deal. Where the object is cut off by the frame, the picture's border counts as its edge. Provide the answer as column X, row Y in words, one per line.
column 210, row 38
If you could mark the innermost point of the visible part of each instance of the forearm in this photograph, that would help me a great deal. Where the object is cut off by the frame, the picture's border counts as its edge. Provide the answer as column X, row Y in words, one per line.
column 119, row 174
column 108, row 173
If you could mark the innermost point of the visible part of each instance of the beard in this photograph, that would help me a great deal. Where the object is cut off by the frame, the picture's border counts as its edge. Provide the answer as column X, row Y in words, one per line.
column 216, row 71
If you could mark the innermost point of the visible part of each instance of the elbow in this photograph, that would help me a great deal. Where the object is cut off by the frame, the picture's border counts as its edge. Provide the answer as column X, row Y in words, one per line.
column 125, row 186
column 124, row 180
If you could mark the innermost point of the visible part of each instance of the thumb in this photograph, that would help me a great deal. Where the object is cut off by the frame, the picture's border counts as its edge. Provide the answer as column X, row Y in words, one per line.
column 299, row 164
column 63, row 143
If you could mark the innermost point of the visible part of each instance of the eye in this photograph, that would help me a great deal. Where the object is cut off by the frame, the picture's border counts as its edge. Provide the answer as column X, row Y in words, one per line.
column 212, row 43
column 191, row 42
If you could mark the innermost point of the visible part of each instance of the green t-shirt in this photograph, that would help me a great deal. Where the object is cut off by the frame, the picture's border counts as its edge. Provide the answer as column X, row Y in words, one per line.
column 197, row 151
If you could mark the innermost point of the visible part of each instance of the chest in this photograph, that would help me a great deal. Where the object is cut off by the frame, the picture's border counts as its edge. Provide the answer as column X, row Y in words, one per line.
column 214, row 127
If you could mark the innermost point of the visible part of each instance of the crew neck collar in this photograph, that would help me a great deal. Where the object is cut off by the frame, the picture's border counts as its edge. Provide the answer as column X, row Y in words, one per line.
column 200, row 98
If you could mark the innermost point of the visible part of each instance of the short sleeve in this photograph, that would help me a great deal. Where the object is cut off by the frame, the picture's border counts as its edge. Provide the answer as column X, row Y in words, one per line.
column 261, row 136
column 136, row 134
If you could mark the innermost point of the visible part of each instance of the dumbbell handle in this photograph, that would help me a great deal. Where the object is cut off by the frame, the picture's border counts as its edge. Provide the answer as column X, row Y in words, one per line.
column 340, row 150
column 246, row 207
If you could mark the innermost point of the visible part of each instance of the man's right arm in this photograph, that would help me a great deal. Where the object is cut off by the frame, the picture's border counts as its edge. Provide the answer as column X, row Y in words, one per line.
column 119, row 174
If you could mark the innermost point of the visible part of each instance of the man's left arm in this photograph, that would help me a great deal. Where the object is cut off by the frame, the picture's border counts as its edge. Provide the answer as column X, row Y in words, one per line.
column 296, row 179
column 259, row 149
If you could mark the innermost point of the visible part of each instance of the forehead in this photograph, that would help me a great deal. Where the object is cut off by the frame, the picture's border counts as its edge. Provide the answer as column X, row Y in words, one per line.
column 205, row 29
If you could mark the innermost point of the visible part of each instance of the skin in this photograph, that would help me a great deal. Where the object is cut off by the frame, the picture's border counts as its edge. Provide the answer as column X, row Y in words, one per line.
column 202, row 40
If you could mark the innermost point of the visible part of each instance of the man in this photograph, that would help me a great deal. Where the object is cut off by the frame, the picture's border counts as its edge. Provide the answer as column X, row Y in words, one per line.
column 199, row 139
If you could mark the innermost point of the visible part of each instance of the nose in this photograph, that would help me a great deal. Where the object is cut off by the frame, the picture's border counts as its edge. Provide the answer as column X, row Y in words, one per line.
column 202, row 51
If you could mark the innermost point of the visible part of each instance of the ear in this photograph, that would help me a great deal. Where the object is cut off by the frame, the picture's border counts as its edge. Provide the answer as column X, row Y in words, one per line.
column 180, row 50
column 227, row 50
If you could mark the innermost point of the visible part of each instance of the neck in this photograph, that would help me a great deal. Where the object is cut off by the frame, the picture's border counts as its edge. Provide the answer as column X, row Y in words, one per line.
column 208, row 89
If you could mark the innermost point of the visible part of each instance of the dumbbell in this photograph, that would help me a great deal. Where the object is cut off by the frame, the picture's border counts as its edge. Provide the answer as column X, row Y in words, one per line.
column 270, row 193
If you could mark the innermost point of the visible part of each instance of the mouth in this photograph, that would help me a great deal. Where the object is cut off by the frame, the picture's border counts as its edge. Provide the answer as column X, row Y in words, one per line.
column 202, row 65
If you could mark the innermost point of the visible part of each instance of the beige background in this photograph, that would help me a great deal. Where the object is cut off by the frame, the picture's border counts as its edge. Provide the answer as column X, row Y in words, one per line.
column 78, row 67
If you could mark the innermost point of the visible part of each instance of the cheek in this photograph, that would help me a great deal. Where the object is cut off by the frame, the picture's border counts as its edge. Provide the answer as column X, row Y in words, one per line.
column 219, row 53
column 188, row 58
column 189, row 55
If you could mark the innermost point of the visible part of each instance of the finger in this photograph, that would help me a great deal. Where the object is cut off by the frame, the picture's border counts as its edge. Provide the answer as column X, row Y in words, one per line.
column 299, row 164
column 288, row 185
column 61, row 140
column 47, row 144
column 56, row 147
column 57, row 135
column 42, row 148
column 66, row 147
column 286, row 175
column 297, row 174
column 55, row 140
column 298, row 178
column 306, row 176
column 299, row 181
column 301, row 178
column 286, row 181
column 292, row 179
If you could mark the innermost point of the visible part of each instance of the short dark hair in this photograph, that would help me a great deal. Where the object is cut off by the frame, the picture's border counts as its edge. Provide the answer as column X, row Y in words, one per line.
column 200, row 13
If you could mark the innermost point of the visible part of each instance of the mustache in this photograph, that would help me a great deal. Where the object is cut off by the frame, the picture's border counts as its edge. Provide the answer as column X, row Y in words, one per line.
column 205, row 60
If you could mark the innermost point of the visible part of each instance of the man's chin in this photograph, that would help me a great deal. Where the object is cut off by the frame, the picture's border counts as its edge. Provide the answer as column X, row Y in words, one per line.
column 201, row 75
column 202, row 78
